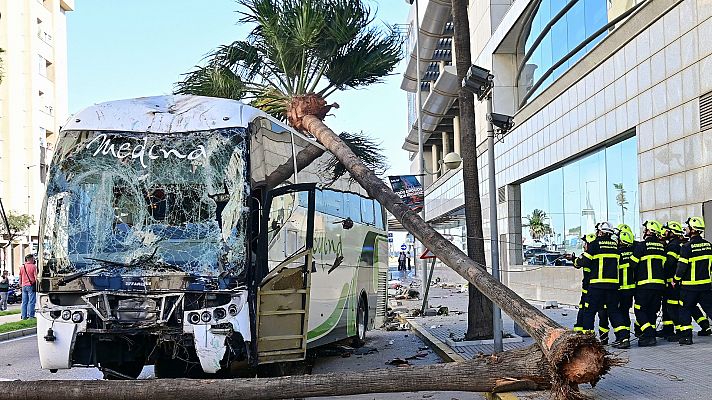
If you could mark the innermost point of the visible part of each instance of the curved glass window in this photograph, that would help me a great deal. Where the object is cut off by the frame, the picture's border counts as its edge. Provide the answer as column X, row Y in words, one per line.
column 547, row 45
column 566, row 203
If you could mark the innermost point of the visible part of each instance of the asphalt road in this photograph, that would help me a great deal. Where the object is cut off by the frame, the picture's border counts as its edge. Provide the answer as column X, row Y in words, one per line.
column 19, row 360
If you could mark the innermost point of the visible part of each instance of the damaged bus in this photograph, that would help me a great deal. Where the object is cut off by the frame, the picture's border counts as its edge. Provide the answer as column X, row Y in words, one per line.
column 176, row 232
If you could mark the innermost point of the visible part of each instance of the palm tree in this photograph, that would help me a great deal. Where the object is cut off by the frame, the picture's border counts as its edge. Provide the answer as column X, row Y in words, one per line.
column 479, row 307
column 621, row 200
column 299, row 53
column 536, row 222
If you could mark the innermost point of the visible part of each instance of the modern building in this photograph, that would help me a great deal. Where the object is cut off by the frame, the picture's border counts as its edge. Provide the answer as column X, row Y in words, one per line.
column 33, row 104
column 612, row 101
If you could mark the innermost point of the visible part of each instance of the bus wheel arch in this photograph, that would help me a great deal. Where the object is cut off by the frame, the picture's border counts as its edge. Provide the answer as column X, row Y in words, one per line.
column 361, row 320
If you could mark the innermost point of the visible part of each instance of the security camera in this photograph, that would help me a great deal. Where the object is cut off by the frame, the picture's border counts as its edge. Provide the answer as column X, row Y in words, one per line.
column 452, row 160
column 479, row 81
column 501, row 121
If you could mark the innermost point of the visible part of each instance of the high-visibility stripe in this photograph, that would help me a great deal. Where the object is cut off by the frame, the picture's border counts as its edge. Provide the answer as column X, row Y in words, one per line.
column 603, row 330
column 702, row 318
column 578, row 329
column 693, row 270
column 621, row 328
column 587, row 255
column 673, row 302
column 646, row 281
column 584, row 291
column 685, row 327
column 673, row 254
column 587, row 270
column 635, row 259
column 637, row 307
column 668, row 323
column 682, row 260
column 586, row 305
column 645, row 326
column 649, row 260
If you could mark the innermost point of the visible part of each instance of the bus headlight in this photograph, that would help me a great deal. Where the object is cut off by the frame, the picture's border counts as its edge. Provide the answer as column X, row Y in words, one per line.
column 66, row 315
column 194, row 318
column 233, row 310
column 219, row 313
column 77, row 317
column 205, row 316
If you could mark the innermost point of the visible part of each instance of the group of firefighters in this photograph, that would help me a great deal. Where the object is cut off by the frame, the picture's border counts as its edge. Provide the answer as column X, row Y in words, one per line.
column 670, row 267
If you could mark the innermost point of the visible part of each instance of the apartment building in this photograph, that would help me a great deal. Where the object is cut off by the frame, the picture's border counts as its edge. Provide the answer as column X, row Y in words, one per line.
column 612, row 101
column 33, row 105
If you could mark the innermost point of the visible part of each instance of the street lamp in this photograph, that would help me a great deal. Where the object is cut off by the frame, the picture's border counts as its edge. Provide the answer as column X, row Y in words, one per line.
column 28, row 187
column 480, row 82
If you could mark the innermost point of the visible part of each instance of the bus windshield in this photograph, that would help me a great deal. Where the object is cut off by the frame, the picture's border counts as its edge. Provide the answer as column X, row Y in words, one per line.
column 143, row 204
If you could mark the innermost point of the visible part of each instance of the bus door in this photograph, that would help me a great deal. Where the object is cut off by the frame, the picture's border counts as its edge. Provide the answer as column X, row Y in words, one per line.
column 283, row 293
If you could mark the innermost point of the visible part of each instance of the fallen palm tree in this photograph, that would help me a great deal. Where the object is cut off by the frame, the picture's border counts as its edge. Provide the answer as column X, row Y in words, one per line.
column 522, row 369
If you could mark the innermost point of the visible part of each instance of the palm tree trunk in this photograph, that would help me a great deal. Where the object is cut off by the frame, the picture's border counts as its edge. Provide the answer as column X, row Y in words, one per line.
column 484, row 374
column 574, row 358
column 479, row 309
column 305, row 157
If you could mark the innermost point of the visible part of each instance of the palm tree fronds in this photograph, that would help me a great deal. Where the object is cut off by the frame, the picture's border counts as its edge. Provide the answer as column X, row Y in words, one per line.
column 212, row 81
column 367, row 150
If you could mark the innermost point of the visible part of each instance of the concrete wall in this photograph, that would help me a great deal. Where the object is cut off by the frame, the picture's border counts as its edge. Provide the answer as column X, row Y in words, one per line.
column 532, row 282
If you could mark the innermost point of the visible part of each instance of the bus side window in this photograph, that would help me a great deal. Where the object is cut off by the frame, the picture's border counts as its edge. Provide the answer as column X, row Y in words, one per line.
column 334, row 203
column 352, row 207
column 379, row 215
column 367, row 211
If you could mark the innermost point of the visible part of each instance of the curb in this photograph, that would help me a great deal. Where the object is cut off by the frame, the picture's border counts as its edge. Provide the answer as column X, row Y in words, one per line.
column 441, row 349
column 18, row 333
column 447, row 353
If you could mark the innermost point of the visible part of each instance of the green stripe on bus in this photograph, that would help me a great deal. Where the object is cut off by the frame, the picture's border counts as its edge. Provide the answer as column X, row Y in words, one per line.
column 326, row 326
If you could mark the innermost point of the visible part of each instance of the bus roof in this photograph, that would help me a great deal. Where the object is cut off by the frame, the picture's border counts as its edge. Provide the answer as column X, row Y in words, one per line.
column 164, row 114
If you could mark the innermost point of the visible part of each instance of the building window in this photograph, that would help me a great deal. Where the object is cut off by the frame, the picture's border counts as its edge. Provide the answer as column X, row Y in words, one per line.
column 572, row 23
column 566, row 203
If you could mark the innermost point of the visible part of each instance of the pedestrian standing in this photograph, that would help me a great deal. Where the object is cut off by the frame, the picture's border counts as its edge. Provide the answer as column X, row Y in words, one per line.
column 693, row 276
column 602, row 258
column 28, row 278
column 401, row 261
column 649, row 261
column 4, row 288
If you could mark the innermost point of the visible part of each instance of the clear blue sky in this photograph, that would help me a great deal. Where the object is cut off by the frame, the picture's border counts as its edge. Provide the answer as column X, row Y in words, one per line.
column 134, row 48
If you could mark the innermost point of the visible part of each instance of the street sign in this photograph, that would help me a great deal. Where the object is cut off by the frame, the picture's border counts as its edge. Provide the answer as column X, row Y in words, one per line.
column 390, row 240
column 427, row 254
column 404, row 247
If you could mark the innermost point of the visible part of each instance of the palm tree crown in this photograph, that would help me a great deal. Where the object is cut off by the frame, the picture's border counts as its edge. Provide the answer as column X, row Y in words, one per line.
column 536, row 222
column 299, row 53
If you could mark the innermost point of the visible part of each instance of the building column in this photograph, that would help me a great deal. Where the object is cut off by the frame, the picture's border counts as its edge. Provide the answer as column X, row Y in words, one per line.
column 456, row 136
column 446, row 143
column 435, row 157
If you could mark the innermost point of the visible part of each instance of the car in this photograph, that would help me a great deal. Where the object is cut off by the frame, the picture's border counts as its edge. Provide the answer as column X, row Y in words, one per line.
column 548, row 259
column 532, row 251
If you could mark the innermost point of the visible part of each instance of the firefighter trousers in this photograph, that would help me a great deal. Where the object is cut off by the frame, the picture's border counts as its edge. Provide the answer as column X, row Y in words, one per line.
column 690, row 299
column 625, row 302
column 647, row 304
column 671, row 309
column 597, row 298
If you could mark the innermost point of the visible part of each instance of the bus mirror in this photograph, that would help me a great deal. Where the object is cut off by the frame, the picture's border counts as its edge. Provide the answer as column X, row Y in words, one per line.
column 348, row 223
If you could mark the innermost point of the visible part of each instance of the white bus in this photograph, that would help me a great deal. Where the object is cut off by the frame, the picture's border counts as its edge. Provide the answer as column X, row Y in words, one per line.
column 175, row 233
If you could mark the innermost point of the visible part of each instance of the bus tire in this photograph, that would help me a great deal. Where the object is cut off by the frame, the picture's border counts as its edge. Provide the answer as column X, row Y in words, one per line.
column 361, row 323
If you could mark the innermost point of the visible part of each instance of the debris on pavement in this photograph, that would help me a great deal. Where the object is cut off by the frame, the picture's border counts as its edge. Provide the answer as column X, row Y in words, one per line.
column 397, row 362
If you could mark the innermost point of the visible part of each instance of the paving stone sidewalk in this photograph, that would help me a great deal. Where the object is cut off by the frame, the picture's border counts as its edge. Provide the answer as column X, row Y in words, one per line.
column 667, row 370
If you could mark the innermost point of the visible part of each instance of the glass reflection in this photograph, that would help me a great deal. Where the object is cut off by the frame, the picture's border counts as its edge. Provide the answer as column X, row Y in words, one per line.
column 580, row 22
column 562, row 205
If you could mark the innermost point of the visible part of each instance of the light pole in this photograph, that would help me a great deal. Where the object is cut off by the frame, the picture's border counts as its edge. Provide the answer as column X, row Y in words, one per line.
column 421, row 164
column 29, row 187
column 481, row 82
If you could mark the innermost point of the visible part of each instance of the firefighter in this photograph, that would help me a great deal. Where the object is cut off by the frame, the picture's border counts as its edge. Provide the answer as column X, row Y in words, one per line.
column 603, row 327
column 602, row 257
column 626, row 288
column 693, row 277
column 674, row 234
column 649, row 261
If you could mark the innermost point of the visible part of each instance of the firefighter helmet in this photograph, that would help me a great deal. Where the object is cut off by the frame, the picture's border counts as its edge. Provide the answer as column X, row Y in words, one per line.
column 588, row 238
column 626, row 237
column 624, row 227
column 653, row 226
column 696, row 223
column 674, row 227
column 605, row 227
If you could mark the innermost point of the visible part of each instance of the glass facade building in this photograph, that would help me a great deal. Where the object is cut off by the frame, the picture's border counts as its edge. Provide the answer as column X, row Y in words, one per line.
column 556, row 28
column 602, row 186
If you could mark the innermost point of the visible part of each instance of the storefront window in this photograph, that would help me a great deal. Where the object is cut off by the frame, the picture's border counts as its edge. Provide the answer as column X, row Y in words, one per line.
column 566, row 203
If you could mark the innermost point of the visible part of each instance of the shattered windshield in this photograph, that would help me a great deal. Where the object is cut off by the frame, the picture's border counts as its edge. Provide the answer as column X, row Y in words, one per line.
column 147, row 203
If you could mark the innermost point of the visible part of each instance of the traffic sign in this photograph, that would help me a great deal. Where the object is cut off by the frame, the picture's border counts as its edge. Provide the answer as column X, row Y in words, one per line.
column 404, row 247
column 427, row 254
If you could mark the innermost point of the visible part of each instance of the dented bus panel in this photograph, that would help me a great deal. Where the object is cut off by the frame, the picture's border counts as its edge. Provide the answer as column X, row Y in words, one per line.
column 162, row 243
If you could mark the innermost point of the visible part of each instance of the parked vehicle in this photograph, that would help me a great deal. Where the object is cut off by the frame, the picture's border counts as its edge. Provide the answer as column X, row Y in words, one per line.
column 549, row 259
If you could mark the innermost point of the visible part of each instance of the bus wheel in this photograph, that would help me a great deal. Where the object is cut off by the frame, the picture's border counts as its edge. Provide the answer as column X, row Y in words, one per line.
column 121, row 371
column 361, row 323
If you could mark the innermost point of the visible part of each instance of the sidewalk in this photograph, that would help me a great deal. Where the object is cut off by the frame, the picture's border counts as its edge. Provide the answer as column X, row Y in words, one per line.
column 667, row 370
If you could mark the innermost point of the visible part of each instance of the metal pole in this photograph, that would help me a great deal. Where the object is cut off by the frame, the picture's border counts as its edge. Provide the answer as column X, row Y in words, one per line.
column 494, row 234
column 421, row 169
column 427, row 288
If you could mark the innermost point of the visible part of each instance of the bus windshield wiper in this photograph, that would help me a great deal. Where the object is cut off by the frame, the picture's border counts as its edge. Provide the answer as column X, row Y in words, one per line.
column 66, row 279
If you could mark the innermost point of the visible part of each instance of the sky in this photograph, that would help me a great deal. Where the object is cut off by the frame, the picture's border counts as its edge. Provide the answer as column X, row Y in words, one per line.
column 136, row 48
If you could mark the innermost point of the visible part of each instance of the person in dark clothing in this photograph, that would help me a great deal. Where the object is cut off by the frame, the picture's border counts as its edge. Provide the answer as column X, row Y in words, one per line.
column 602, row 258
column 674, row 234
column 603, row 327
column 649, row 261
column 693, row 277
column 626, row 288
